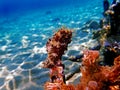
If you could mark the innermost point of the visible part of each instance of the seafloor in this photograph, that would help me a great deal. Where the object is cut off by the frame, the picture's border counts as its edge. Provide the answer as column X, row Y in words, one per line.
column 23, row 38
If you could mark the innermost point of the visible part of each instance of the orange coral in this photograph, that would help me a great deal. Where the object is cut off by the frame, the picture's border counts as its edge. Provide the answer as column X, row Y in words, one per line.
column 58, row 86
column 55, row 48
column 94, row 76
column 90, row 71
column 90, row 57
column 117, row 60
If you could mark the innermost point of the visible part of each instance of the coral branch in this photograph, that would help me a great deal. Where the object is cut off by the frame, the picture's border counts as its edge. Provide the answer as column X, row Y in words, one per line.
column 55, row 48
column 94, row 76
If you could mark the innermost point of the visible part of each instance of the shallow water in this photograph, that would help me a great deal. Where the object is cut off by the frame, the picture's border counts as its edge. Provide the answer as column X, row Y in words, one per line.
column 23, row 37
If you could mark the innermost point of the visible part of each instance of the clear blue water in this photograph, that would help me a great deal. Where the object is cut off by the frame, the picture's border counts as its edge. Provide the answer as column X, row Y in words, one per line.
column 25, row 27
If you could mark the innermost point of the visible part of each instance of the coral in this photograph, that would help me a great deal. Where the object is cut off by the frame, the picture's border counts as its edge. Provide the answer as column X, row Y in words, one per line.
column 111, row 51
column 58, row 86
column 90, row 71
column 94, row 76
column 55, row 48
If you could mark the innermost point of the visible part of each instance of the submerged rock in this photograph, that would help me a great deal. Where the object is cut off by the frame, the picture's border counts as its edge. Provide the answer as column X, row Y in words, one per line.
column 91, row 24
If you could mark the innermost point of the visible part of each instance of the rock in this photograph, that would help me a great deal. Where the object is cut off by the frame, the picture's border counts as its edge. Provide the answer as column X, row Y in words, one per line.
column 71, row 68
column 75, row 79
column 98, row 34
column 91, row 24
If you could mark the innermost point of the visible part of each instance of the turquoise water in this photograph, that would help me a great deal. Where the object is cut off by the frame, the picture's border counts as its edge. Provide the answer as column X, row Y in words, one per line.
column 24, row 33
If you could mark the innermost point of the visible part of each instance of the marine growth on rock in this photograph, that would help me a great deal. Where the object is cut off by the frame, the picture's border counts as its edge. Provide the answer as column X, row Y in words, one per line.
column 94, row 76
